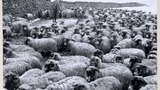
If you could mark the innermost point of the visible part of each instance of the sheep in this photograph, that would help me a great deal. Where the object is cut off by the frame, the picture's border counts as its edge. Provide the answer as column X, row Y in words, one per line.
column 59, row 39
column 83, row 49
column 30, row 74
column 44, row 80
column 67, row 83
column 11, row 54
column 46, row 45
column 126, row 53
column 70, row 69
column 103, row 44
column 18, row 68
column 33, row 61
column 143, row 67
column 96, row 61
column 111, row 58
column 125, row 43
column 149, row 87
column 105, row 83
column 123, row 74
column 11, row 81
column 69, row 59
column 151, row 79
column 17, row 27
column 137, row 82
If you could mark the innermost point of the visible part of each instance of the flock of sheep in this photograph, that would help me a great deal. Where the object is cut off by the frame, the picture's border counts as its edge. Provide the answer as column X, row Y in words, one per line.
column 107, row 49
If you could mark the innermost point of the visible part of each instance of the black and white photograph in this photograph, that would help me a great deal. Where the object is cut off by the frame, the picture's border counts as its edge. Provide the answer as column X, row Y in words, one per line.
column 79, row 44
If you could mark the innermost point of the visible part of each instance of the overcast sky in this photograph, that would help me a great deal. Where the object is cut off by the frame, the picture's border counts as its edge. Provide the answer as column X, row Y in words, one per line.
column 148, row 2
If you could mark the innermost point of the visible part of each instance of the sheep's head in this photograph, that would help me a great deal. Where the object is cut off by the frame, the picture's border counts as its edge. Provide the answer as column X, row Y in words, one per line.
column 7, row 52
column 80, row 87
column 51, row 65
column 95, row 61
column 141, row 70
column 11, row 81
column 148, row 43
column 92, row 73
column 134, row 60
column 137, row 42
column 119, row 59
column 6, row 44
column 99, row 54
column 28, row 40
column 137, row 82
column 55, row 56
column 148, row 35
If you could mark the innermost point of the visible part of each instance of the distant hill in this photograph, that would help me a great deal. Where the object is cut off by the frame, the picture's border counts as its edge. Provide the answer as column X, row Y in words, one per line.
column 101, row 4
column 20, row 7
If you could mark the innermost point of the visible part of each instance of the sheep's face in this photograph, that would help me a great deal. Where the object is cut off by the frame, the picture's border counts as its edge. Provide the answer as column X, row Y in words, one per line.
column 80, row 87
column 137, row 83
column 11, row 81
column 7, row 52
column 55, row 56
column 134, row 60
column 28, row 40
column 137, row 42
column 95, row 61
column 140, row 71
column 99, row 54
column 91, row 73
column 148, row 43
column 51, row 66
column 6, row 44
column 119, row 59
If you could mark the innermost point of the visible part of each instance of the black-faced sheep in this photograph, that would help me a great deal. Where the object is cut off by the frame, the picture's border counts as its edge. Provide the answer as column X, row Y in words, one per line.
column 95, row 61
column 17, row 68
column 67, row 83
column 123, row 74
column 17, row 27
column 46, row 45
column 44, row 80
column 11, row 81
column 30, row 74
column 33, row 61
column 105, row 83
column 83, row 49
column 137, row 82
column 70, row 59
column 125, row 43
column 126, row 53
column 70, row 69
